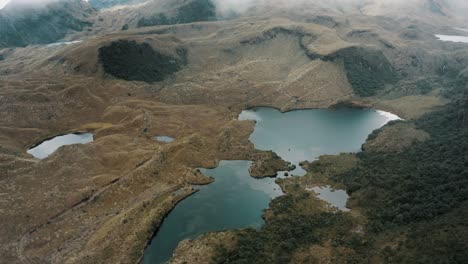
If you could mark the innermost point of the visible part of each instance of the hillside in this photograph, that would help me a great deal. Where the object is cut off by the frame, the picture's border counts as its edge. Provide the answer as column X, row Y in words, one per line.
column 190, row 78
column 413, row 200
column 26, row 25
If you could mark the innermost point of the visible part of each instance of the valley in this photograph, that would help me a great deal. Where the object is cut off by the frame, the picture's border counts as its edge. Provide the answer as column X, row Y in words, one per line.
column 187, row 82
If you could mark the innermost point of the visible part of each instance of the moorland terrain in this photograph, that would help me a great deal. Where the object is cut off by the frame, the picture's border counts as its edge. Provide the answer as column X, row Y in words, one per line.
column 182, row 68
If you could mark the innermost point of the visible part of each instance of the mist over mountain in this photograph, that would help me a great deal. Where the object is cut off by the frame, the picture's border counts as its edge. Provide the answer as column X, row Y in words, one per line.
column 32, row 22
column 157, row 95
column 27, row 22
column 25, row 3
column 369, row 7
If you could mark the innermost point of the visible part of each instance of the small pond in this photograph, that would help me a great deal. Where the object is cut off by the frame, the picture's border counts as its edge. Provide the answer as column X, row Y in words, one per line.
column 336, row 198
column 47, row 147
column 165, row 139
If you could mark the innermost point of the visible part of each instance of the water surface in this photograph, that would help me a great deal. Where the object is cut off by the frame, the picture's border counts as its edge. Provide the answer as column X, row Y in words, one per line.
column 64, row 43
column 165, row 139
column 307, row 134
column 450, row 38
column 334, row 197
column 48, row 147
column 236, row 200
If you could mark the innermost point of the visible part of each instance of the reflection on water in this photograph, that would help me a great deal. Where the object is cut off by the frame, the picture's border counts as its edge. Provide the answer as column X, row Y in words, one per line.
column 449, row 38
column 164, row 139
column 64, row 43
column 462, row 29
column 47, row 147
column 336, row 198
column 306, row 134
column 236, row 200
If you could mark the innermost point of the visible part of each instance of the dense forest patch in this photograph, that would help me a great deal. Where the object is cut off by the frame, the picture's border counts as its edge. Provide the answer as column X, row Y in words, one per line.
column 134, row 61
column 291, row 228
column 415, row 201
column 440, row 240
column 368, row 70
column 193, row 11
column 427, row 179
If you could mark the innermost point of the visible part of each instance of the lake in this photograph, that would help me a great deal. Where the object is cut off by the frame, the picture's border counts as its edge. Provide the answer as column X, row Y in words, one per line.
column 307, row 134
column 236, row 200
column 218, row 206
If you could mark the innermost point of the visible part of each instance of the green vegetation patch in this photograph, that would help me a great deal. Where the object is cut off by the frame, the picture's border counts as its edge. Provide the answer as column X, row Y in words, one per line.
column 288, row 230
column 368, row 70
column 421, row 182
column 134, row 61
column 441, row 240
column 193, row 11
column 415, row 202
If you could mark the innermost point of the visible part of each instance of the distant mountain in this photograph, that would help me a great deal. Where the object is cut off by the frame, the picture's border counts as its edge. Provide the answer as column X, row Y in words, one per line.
column 22, row 24
column 179, row 12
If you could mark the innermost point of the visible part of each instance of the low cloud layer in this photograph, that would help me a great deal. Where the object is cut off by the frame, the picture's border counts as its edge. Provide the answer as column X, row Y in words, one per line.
column 458, row 6
column 31, row 3
column 3, row 3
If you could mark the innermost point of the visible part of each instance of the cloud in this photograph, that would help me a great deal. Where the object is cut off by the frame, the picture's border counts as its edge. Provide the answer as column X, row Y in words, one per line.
column 3, row 3
column 458, row 6
column 29, row 3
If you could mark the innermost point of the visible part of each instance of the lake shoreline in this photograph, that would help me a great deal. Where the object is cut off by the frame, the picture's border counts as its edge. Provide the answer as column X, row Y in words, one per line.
column 352, row 103
column 187, row 195
column 41, row 140
column 217, row 165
